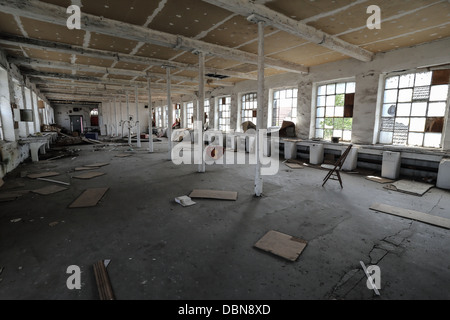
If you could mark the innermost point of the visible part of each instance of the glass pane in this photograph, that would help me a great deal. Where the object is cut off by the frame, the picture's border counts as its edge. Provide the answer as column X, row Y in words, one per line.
column 401, row 131
column 319, row 123
column 390, row 96
column 322, row 90
column 401, row 123
column 337, row 133
column 350, row 87
column 328, row 133
column 417, row 124
column 340, row 100
column 391, row 83
column 339, row 112
column 331, row 89
column 331, row 100
column 421, row 93
column 320, row 112
column 321, row 101
column 347, row 136
column 403, row 109
column 432, row 140
column 423, row 79
column 387, row 124
column 419, row 109
column 439, row 93
column 319, row 133
column 288, row 93
column 329, row 112
column 340, row 88
column 415, row 139
column 348, row 123
column 328, row 123
column 339, row 123
column 405, row 95
column 389, row 110
column 436, row 109
column 276, row 95
column 386, row 137
column 407, row 81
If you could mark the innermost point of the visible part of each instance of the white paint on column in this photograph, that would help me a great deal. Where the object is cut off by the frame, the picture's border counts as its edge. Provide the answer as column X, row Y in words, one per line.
column 201, row 109
column 138, row 124
column 258, row 176
column 150, row 117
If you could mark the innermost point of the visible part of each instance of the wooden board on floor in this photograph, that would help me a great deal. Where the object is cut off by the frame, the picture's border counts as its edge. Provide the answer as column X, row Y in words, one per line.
column 379, row 179
column 49, row 190
column 294, row 165
column 89, row 175
column 410, row 187
column 282, row 245
column 124, row 155
column 214, row 194
column 98, row 165
column 89, row 198
column 413, row 215
column 43, row 175
column 104, row 287
column 86, row 168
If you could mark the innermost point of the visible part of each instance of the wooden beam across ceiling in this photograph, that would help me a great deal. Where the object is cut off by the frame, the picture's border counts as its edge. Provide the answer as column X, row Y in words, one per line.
column 113, row 56
column 40, row 11
column 248, row 8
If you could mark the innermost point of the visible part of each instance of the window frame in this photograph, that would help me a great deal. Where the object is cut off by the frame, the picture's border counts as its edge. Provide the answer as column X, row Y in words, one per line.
column 273, row 116
column 189, row 123
column 253, row 103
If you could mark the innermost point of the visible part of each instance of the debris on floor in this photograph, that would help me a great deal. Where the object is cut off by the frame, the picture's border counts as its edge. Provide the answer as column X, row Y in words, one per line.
column 282, row 245
column 6, row 197
column 410, row 187
column 86, row 168
column 185, row 201
column 91, row 141
column 214, row 194
column 43, row 175
column 49, row 190
column 103, row 282
column 52, row 224
column 98, row 165
column 16, row 220
column 54, row 181
column 379, row 179
column 413, row 215
column 89, row 175
column 293, row 164
column 89, row 198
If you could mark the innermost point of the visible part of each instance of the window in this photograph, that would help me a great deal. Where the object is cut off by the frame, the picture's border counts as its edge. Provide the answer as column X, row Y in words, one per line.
column 284, row 106
column 334, row 110
column 249, row 107
column 207, row 109
column 190, row 115
column 225, row 114
column 177, row 112
column 414, row 107
column 158, row 117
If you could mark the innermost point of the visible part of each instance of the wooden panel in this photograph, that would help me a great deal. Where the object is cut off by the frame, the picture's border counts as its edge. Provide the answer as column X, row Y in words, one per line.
column 89, row 198
column 85, row 168
column 440, row 77
column 413, row 215
column 98, row 165
column 282, row 245
column 214, row 194
column 49, row 190
column 43, row 175
column 103, row 283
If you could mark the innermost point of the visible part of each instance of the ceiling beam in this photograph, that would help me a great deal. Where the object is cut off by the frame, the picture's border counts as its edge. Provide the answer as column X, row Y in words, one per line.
column 113, row 56
column 49, row 13
column 300, row 29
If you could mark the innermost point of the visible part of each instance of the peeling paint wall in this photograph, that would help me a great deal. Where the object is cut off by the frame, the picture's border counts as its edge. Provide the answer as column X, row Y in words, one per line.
column 12, row 154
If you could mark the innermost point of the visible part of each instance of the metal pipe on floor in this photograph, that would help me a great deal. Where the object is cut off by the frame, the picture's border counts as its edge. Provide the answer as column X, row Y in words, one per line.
column 138, row 124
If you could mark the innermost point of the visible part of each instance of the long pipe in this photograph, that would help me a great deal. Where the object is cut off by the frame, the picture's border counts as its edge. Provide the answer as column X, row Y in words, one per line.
column 138, row 124
column 150, row 117
column 258, row 177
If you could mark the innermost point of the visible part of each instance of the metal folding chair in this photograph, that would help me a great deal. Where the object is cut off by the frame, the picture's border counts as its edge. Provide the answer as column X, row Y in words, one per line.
column 333, row 174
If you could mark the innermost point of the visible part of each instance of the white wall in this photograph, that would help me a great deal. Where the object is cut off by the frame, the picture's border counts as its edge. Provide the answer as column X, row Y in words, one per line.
column 64, row 111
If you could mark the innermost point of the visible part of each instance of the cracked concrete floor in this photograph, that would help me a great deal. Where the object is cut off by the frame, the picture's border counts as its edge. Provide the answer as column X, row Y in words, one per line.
column 160, row 250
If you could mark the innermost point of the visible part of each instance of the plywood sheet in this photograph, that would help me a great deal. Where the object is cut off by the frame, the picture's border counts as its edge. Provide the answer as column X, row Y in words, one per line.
column 48, row 55
column 379, row 179
column 104, row 42
column 276, row 42
column 89, row 175
column 43, row 175
column 214, row 194
column 298, row 53
column 98, row 165
column 89, row 198
column 413, row 215
column 8, row 24
column 105, row 63
column 49, row 190
column 410, row 187
column 86, row 168
column 282, row 245
column 157, row 52
column 294, row 165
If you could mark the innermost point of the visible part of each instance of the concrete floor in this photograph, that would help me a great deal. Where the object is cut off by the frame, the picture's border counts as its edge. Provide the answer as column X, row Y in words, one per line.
column 161, row 250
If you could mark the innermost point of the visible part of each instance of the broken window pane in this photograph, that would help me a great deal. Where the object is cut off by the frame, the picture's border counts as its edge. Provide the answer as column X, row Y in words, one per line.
column 389, row 110
column 340, row 99
column 432, row 140
column 423, row 79
column 391, row 83
column 320, row 122
column 339, row 123
column 436, row 109
column 434, row 125
column 439, row 93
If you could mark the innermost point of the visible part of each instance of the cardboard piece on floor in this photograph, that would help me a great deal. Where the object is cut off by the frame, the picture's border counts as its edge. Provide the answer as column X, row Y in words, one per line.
column 89, row 175
column 379, row 179
column 124, row 155
column 49, row 190
column 185, row 201
column 43, row 175
column 86, row 168
column 214, row 194
column 413, row 215
column 294, row 165
column 282, row 245
column 89, row 198
column 410, row 187
column 98, row 165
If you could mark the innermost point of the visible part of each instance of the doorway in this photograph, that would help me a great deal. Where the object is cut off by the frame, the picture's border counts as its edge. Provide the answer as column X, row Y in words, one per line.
column 76, row 124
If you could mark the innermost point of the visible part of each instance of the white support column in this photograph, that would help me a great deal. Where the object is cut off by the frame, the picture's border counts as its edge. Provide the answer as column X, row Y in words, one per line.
column 122, row 124
column 170, row 112
column 128, row 120
column 32, row 110
column 25, row 106
column 138, row 124
column 201, row 109
column 258, row 177
column 115, row 117
column 150, row 117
